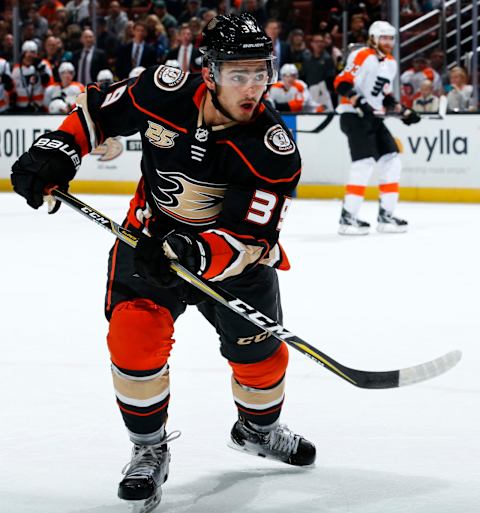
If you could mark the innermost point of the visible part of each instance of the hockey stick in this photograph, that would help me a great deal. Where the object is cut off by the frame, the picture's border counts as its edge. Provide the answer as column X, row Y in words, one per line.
column 359, row 378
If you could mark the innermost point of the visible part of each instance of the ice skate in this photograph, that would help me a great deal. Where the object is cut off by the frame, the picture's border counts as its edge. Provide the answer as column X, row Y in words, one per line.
column 145, row 474
column 351, row 225
column 278, row 443
column 387, row 223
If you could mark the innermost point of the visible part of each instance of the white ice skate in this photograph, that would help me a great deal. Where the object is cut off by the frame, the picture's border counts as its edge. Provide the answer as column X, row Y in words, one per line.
column 351, row 225
column 387, row 223
column 278, row 443
column 145, row 474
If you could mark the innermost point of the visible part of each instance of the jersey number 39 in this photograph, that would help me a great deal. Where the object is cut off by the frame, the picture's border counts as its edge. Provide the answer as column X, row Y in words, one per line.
column 262, row 208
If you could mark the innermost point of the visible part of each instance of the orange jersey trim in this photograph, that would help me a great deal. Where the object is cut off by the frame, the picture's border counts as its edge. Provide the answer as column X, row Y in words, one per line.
column 222, row 254
column 347, row 76
column 143, row 414
column 73, row 125
column 253, row 170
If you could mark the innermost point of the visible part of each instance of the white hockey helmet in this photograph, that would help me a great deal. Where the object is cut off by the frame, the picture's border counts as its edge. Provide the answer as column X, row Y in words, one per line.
column 288, row 69
column 381, row 28
column 105, row 75
column 66, row 67
column 135, row 72
column 29, row 46
column 58, row 106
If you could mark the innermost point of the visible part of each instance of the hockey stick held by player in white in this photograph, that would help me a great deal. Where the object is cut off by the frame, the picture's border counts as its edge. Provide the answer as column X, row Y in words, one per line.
column 359, row 378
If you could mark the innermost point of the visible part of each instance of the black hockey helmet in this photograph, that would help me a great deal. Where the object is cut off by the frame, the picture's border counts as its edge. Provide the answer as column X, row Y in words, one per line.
column 234, row 37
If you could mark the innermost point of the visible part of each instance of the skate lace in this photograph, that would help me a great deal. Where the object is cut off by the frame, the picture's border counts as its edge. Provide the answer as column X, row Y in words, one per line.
column 147, row 457
column 283, row 440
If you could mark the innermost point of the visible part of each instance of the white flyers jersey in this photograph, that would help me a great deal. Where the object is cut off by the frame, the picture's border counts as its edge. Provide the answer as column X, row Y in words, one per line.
column 28, row 85
column 370, row 76
column 4, row 96
column 297, row 97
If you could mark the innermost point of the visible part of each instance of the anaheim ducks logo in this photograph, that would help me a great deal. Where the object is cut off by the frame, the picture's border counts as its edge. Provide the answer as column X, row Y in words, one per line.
column 108, row 150
column 189, row 200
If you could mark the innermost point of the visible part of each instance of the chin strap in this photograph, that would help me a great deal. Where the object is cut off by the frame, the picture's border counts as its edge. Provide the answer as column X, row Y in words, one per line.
column 218, row 105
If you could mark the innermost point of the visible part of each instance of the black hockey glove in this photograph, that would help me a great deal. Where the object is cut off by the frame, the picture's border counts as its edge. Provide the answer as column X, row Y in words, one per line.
column 52, row 160
column 364, row 109
column 153, row 256
column 389, row 103
column 409, row 116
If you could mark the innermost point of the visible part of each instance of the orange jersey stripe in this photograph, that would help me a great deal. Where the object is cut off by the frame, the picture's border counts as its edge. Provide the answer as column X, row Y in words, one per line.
column 73, row 125
column 253, row 170
column 222, row 254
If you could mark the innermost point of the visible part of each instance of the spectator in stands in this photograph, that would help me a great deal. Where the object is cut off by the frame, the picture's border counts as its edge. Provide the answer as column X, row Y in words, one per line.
column 77, row 10
column 437, row 61
column 280, row 49
column 427, row 101
column 136, row 53
column 89, row 60
column 319, row 72
column 332, row 23
column 157, row 36
column 256, row 10
column 291, row 94
column 65, row 90
column 160, row 9
column 6, row 85
column 192, row 8
column 40, row 24
column 407, row 95
column 460, row 97
column 107, row 41
column 299, row 53
column 374, row 10
column 409, row 7
column 127, row 35
column 357, row 32
column 189, row 57
column 334, row 52
column 73, row 39
column 49, row 8
column 208, row 15
column 7, row 48
column 28, row 32
column 196, row 26
column 30, row 77
column 419, row 72
column 117, row 19
column 51, row 52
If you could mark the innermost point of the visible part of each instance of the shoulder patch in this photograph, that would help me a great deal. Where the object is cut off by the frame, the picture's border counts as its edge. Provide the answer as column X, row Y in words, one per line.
column 277, row 140
column 169, row 79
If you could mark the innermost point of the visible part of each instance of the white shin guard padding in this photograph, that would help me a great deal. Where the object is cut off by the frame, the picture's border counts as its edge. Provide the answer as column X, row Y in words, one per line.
column 360, row 171
column 389, row 168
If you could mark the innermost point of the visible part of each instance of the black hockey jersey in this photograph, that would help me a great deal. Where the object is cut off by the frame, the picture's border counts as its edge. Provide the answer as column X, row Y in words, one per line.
column 232, row 184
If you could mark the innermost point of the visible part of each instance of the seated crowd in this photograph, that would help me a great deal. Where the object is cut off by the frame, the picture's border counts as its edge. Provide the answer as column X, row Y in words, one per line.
column 60, row 53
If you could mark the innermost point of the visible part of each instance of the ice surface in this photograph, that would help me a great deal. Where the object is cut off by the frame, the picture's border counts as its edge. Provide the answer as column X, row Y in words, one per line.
column 379, row 302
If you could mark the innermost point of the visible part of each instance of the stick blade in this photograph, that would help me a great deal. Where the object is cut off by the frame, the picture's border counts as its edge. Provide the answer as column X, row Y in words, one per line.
column 429, row 370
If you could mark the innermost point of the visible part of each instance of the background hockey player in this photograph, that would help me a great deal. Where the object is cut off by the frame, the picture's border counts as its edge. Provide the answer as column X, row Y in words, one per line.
column 218, row 173
column 365, row 86
column 66, row 90
column 291, row 94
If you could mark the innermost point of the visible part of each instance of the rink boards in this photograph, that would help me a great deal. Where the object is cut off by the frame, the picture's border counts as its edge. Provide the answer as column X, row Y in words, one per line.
column 440, row 157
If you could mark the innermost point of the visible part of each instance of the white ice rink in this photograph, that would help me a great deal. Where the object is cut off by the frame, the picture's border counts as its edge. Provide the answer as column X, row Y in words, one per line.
column 380, row 302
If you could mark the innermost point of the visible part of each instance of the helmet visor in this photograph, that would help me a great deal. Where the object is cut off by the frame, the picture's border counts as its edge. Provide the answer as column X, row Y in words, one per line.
column 243, row 73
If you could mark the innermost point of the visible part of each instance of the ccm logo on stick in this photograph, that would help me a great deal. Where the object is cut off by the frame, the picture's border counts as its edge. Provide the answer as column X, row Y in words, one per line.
column 260, row 319
column 95, row 215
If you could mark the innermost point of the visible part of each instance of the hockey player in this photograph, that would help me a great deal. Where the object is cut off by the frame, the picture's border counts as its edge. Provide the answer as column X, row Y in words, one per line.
column 67, row 89
column 291, row 94
column 6, row 85
column 365, row 87
column 218, row 172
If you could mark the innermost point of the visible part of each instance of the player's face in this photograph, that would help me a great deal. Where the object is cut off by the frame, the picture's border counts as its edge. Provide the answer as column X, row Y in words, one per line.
column 386, row 43
column 241, row 87
column 288, row 80
column 66, row 77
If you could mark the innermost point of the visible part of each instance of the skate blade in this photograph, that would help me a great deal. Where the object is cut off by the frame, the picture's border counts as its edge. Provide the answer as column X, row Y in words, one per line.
column 390, row 228
column 147, row 505
column 345, row 229
column 245, row 449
